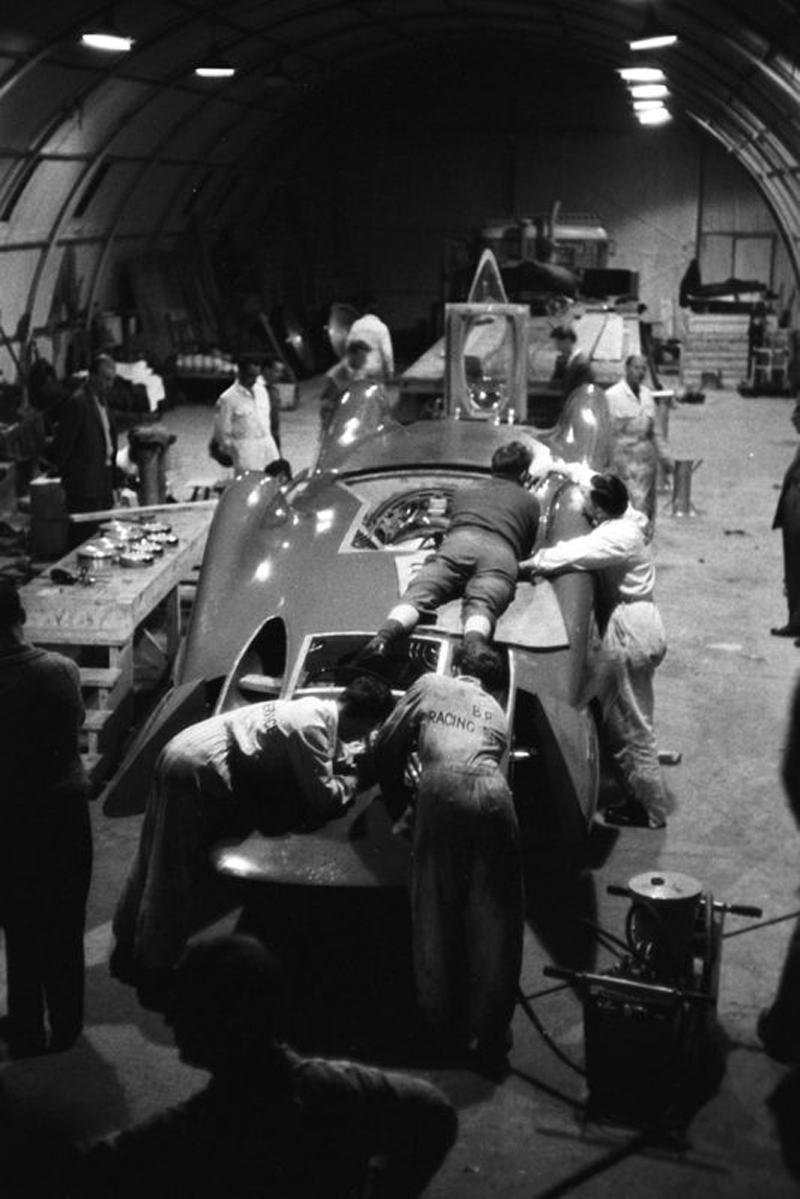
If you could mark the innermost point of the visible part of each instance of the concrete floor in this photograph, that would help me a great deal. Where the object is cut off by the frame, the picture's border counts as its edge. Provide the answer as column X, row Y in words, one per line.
column 721, row 697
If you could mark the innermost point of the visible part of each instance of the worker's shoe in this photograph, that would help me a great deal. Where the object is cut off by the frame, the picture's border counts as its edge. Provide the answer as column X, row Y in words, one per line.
column 490, row 1055
column 379, row 645
column 155, row 990
column 122, row 964
column 633, row 814
column 786, row 630
column 774, row 1044
column 436, row 1045
column 62, row 1042
column 32, row 1043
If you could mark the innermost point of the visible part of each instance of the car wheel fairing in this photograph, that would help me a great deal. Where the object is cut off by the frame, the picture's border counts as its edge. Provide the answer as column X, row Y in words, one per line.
column 259, row 670
column 583, row 432
column 556, row 771
column 126, row 794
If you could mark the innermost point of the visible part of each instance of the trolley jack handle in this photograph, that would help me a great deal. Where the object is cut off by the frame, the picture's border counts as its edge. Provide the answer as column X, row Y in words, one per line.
column 620, row 892
column 735, row 909
column 628, row 986
column 739, row 909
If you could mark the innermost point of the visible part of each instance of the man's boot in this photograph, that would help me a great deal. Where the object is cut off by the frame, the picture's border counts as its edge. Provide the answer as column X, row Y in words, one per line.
column 378, row 646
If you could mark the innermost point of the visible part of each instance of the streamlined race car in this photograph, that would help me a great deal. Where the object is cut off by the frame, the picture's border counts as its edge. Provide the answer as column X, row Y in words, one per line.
column 295, row 581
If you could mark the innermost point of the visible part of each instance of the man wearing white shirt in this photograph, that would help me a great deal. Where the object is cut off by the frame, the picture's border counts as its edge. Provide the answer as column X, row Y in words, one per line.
column 380, row 359
column 633, row 639
column 639, row 444
column 245, row 422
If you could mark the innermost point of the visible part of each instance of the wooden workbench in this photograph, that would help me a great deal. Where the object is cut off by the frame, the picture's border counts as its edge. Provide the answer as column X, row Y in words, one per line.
column 97, row 624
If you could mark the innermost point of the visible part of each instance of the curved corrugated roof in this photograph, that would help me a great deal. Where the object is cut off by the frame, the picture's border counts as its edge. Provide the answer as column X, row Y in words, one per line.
column 104, row 150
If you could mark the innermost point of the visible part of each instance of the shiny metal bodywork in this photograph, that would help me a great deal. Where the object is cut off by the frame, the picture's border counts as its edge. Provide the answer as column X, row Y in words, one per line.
column 326, row 558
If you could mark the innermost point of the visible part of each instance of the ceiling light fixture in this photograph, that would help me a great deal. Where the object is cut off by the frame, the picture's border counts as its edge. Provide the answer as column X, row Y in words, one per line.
column 653, row 36
column 107, row 37
column 654, row 116
column 649, row 91
column 657, row 41
column 215, row 65
column 644, row 105
column 642, row 74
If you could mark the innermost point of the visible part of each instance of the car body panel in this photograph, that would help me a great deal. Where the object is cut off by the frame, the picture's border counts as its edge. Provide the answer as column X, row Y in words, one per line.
column 288, row 572
column 357, row 850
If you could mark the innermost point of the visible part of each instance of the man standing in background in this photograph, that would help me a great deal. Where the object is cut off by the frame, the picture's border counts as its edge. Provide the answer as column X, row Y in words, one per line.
column 85, row 445
column 246, row 423
column 45, row 838
column 639, row 444
column 371, row 330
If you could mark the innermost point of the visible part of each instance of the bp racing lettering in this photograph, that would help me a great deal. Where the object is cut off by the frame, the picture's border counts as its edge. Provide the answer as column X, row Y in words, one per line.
column 452, row 720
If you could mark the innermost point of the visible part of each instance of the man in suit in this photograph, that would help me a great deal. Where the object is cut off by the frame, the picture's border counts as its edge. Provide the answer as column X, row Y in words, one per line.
column 787, row 519
column 573, row 367
column 85, row 443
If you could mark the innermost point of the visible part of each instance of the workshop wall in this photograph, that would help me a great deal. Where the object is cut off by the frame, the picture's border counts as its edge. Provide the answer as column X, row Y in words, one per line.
column 361, row 197
column 645, row 187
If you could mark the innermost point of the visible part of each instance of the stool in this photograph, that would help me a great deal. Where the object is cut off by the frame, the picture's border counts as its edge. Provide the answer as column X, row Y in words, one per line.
column 769, row 367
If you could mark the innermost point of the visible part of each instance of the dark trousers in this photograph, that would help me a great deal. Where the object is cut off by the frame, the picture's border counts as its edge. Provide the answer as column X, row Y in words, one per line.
column 783, row 1021
column 43, row 896
column 791, row 567
column 467, row 903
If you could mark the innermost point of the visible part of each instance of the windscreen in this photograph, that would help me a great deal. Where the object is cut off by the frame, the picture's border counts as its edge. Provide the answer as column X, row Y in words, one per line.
column 331, row 661
column 362, row 414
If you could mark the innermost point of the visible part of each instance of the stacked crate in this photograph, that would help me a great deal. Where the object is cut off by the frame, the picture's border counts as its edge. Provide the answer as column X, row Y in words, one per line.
column 715, row 351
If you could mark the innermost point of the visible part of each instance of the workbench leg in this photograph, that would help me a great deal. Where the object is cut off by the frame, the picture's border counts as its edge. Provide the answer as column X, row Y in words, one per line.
column 172, row 622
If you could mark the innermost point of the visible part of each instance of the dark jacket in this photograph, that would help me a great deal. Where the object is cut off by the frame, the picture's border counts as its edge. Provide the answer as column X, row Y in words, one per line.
column 80, row 453
column 791, row 484
column 314, row 1130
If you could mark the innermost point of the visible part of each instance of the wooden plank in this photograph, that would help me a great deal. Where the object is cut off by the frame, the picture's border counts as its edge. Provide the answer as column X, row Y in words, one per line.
column 104, row 677
column 718, row 320
column 96, row 718
column 78, row 518
column 94, row 765
column 104, row 728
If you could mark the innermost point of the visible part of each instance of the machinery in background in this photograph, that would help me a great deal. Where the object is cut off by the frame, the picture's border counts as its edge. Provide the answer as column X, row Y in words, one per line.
column 548, row 257
column 650, row 1033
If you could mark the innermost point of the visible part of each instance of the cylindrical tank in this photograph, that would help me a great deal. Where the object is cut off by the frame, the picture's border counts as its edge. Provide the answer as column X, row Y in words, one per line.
column 148, row 450
column 662, row 921
column 49, row 519
column 682, row 487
